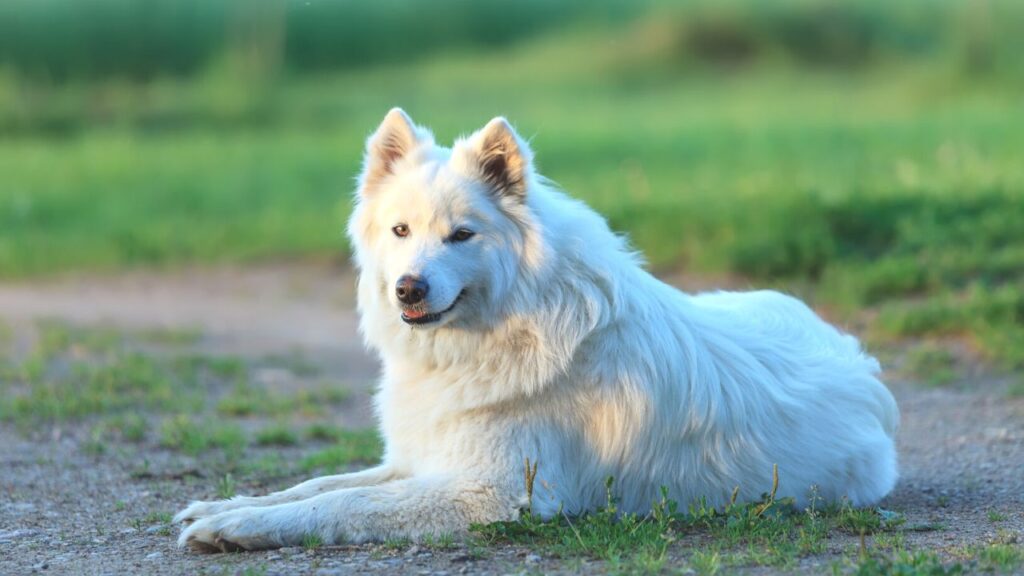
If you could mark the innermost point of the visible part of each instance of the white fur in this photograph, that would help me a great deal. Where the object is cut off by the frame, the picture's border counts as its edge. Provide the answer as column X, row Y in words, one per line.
column 563, row 351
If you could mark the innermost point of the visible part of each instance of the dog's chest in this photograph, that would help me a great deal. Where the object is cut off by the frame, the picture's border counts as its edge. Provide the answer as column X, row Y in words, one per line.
column 426, row 433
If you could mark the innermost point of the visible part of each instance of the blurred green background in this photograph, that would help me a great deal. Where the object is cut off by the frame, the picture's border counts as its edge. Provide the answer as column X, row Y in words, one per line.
column 865, row 154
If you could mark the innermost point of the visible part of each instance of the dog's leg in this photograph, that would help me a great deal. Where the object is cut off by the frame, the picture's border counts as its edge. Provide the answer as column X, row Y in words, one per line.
column 411, row 508
column 307, row 489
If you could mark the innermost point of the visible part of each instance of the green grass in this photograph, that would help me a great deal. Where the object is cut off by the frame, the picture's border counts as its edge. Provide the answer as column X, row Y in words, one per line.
column 131, row 387
column 195, row 436
column 350, row 447
column 226, row 486
column 245, row 399
column 279, row 435
column 932, row 364
column 994, row 558
column 771, row 532
column 889, row 186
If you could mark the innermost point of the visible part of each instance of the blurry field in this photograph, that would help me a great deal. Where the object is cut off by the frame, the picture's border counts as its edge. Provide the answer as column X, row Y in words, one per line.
column 865, row 156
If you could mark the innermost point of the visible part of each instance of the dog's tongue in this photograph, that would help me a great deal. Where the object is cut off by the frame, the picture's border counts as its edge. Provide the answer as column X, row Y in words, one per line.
column 414, row 314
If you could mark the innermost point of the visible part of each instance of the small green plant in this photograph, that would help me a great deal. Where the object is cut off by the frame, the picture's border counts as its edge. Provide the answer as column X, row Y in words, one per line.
column 312, row 541
column 226, row 486
column 444, row 541
column 996, row 516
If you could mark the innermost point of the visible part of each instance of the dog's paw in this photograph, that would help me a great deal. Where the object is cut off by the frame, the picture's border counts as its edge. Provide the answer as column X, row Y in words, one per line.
column 199, row 510
column 232, row 531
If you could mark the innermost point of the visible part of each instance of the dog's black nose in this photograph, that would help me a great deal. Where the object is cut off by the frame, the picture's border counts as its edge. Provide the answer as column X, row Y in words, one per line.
column 411, row 290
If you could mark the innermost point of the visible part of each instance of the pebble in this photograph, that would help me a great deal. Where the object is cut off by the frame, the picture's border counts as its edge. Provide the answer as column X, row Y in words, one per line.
column 274, row 557
column 41, row 566
column 154, row 555
column 291, row 551
column 413, row 551
column 533, row 559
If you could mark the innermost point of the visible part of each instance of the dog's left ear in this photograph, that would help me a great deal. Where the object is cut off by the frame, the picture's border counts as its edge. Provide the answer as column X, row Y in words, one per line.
column 501, row 158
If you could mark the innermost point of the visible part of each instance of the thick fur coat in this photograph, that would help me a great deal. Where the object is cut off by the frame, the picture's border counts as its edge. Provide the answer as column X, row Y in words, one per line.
column 512, row 324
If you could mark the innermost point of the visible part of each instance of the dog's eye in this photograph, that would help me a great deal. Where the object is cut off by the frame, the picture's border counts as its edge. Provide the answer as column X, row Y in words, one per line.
column 401, row 230
column 462, row 234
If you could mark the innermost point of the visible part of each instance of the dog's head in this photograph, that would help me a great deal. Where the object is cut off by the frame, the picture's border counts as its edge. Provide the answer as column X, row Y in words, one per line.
column 440, row 232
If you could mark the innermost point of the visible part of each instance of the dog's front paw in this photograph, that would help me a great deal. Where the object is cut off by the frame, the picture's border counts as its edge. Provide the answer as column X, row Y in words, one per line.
column 232, row 531
column 199, row 510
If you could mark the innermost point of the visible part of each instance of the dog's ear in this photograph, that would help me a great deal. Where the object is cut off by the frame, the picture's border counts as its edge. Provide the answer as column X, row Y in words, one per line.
column 502, row 158
column 394, row 139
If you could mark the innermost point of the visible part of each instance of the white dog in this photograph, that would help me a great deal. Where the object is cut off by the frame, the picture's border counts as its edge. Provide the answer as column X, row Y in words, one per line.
column 513, row 324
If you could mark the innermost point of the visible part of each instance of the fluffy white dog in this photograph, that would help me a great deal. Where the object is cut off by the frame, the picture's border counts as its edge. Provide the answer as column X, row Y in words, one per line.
column 513, row 324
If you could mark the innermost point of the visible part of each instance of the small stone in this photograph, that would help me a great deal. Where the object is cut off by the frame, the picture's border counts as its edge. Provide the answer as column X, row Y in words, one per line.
column 461, row 558
column 274, row 557
column 154, row 555
column 532, row 559
column 155, row 529
column 41, row 566
column 291, row 551
column 413, row 551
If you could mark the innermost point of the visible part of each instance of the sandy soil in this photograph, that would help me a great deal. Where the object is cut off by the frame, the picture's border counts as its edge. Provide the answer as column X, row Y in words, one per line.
column 66, row 510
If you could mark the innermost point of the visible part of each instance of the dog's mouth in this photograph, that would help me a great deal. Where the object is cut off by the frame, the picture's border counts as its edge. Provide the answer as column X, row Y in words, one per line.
column 418, row 316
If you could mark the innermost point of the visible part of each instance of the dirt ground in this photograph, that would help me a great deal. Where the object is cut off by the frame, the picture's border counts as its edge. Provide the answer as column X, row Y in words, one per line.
column 67, row 510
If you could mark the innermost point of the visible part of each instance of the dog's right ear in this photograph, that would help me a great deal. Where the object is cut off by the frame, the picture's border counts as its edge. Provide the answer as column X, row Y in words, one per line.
column 394, row 139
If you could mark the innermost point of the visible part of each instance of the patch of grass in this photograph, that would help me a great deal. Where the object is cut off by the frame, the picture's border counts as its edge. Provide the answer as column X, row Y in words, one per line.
column 96, row 443
column 131, row 427
column 996, row 516
column 171, row 336
column 995, row 558
column 84, row 388
column 162, row 520
column 444, row 541
column 324, row 432
column 195, row 367
column 226, row 487
column 246, row 399
column 158, row 518
column 999, row 558
column 932, row 363
column 73, row 373
column 352, row 446
column 265, row 466
column 921, row 563
column 770, row 532
column 312, row 541
column 194, row 437
column 279, row 435
column 396, row 544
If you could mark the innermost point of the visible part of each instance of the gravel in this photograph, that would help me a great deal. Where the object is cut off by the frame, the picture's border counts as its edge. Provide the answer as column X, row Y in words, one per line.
column 66, row 510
